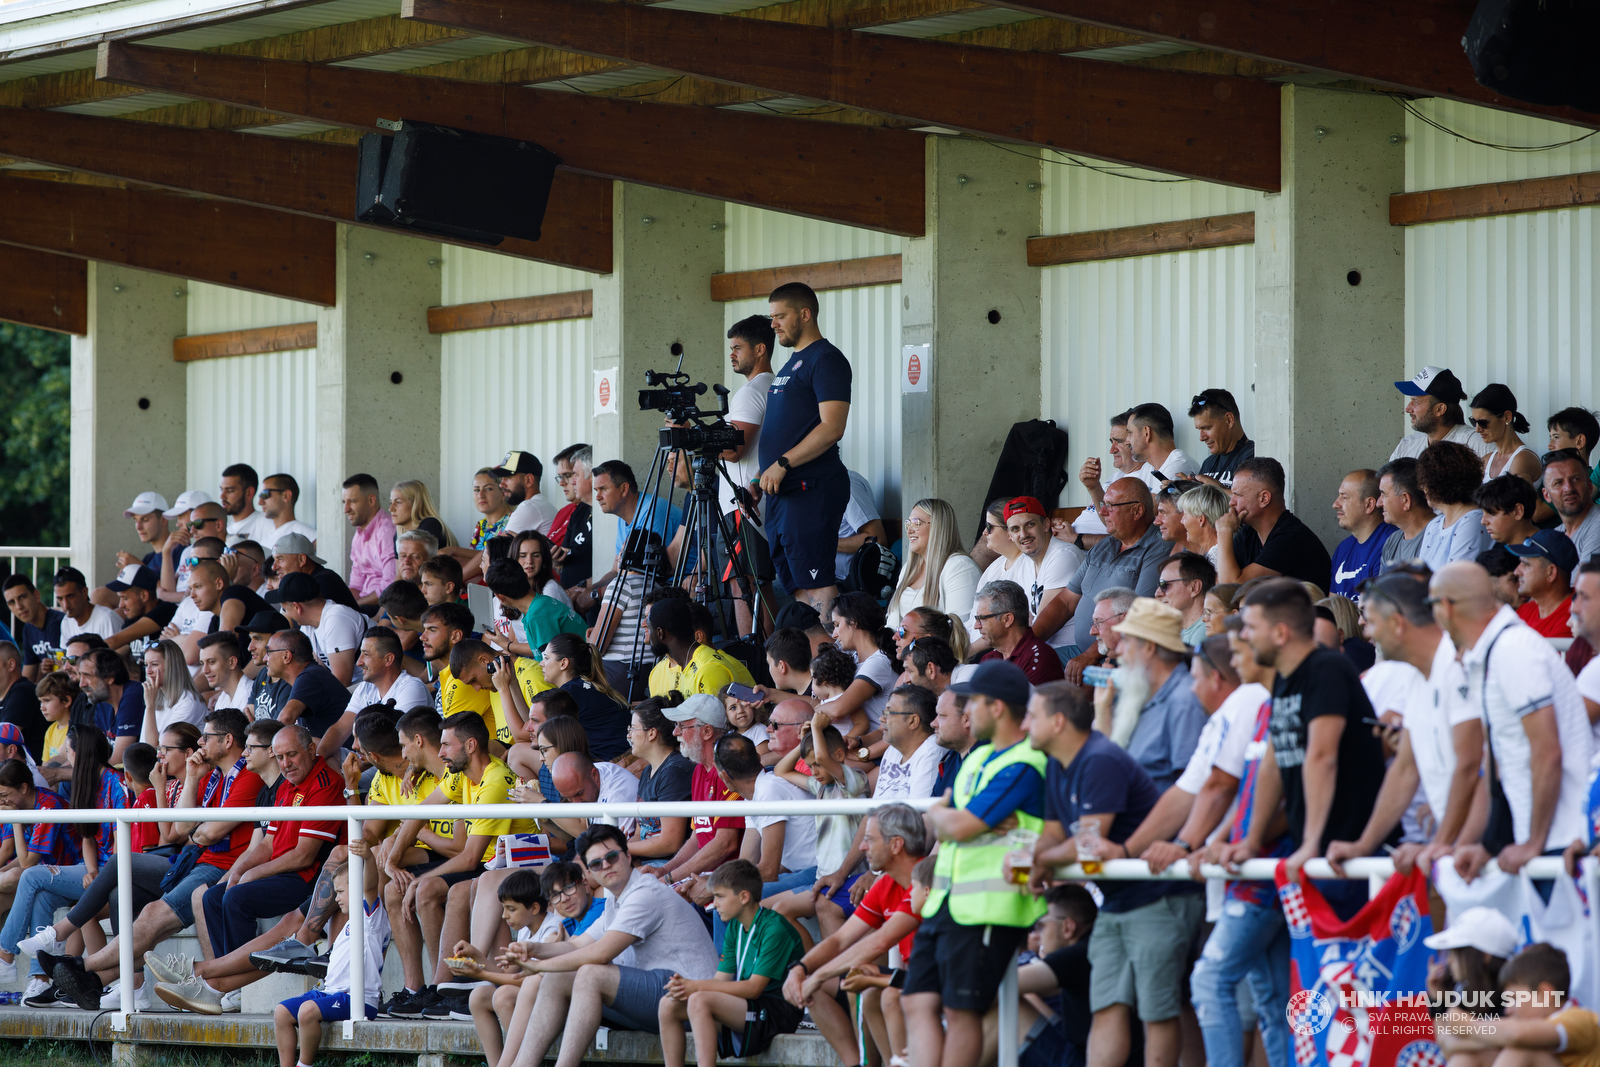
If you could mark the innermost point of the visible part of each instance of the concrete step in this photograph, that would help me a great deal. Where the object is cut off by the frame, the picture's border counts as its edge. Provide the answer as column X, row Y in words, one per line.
column 427, row 1040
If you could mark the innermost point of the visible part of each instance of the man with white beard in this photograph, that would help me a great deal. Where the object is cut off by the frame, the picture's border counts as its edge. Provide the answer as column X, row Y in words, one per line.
column 1157, row 692
column 1110, row 608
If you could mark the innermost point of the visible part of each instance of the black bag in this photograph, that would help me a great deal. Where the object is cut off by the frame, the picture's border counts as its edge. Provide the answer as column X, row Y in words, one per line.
column 181, row 866
column 873, row 569
column 1032, row 463
column 1536, row 50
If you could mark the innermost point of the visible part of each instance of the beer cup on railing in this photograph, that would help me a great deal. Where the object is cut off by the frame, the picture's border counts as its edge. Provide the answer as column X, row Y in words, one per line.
column 1086, row 832
column 1020, row 857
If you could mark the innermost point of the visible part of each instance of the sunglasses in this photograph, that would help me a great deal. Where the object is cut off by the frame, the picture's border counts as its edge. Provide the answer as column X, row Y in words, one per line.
column 1482, row 424
column 605, row 861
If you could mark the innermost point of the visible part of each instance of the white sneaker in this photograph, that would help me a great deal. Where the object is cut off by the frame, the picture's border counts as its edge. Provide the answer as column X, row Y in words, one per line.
column 36, row 987
column 232, row 999
column 144, row 995
column 43, row 940
column 8, row 971
column 171, row 969
column 111, row 999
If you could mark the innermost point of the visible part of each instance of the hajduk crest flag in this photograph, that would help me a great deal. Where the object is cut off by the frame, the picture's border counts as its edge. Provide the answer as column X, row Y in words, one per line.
column 1357, row 989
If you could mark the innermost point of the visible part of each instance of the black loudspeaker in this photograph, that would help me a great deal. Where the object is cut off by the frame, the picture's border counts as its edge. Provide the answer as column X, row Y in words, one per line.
column 1541, row 51
column 455, row 183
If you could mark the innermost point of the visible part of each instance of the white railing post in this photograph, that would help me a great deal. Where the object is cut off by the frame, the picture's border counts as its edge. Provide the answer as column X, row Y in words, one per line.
column 124, row 841
column 357, row 881
column 1008, row 1015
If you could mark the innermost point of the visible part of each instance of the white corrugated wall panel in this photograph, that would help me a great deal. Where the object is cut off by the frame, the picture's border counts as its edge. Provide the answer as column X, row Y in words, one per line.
column 1122, row 332
column 260, row 410
column 509, row 387
column 863, row 323
column 1510, row 298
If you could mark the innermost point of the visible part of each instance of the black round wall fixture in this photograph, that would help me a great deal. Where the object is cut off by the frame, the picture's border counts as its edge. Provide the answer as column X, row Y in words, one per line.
column 397, row 377
column 994, row 318
column 144, row 403
column 1354, row 277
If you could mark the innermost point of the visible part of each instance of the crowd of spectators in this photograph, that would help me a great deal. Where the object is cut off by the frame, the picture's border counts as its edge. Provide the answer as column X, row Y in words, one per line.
column 1183, row 671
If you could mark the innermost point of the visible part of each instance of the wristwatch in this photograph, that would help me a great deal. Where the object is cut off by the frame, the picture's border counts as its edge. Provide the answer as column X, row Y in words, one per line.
column 783, row 461
column 1181, row 843
column 349, row 793
column 863, row 752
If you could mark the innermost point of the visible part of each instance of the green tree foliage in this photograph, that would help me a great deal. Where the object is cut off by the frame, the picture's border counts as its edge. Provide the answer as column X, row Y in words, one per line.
column 35, row 423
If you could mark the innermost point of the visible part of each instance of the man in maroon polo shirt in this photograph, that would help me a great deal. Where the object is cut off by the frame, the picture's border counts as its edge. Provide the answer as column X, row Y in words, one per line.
column 1001, row 612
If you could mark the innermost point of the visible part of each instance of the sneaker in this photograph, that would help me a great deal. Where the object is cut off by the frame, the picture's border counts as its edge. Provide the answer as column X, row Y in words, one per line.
column 413, row 1004
column 43, row 940
column 172, row 969
column 316, row 967
column 76, row 981
column 462, row 1011
column 232, row 999
column 278, row 956
column 40, row 994
column 8, row 971
column 144, row 996
column 111, row 999
column 448, row 1006
column 191, row 994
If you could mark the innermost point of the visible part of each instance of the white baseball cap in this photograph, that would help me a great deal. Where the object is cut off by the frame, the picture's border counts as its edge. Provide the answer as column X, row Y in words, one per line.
column 188, row 500
column 145, row 503
column 1484, row 929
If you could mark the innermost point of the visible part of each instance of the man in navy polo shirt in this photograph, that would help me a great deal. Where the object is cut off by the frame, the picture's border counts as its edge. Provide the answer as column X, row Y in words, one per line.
column 808, row 404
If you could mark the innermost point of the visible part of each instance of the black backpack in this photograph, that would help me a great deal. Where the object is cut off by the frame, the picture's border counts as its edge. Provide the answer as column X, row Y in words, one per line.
column 873, row 569
column 1032, row 463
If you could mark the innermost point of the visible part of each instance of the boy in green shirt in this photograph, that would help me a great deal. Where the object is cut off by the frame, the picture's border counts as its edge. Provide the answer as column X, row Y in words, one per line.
column 741, row 1009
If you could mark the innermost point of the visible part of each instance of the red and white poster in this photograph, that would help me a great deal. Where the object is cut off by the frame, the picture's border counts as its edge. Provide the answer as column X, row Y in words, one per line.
column 605, row 392
column 916, row 367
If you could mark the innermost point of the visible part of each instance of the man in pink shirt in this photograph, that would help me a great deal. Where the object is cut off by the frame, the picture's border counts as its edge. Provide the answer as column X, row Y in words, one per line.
column 372, row 548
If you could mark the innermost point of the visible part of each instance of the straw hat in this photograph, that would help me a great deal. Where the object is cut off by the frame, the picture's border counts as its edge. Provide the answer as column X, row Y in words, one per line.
column 1154, row 622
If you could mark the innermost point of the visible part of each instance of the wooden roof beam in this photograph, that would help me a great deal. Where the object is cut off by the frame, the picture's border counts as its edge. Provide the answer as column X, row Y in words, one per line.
column 305, row 177
column 854, row 175
column 1215, row 128
column 44, row 290
column 1414, row 47
column 251, row 248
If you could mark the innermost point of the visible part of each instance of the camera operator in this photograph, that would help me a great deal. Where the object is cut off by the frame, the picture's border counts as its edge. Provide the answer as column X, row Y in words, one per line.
column 808, row 406
column 750, row 353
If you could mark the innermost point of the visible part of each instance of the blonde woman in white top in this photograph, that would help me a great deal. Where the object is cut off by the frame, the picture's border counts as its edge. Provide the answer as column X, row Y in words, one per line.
column 933, row 548
column 169, row 692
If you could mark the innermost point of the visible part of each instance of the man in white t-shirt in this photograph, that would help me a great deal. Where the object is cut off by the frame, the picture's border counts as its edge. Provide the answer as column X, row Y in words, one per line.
column 783, row 847
column 82, row 616
column 1441, row 740
column 1153, row 447
column 750, row 345
column 221, row 663
column 615, row 971
column 910, row 764
column 335, row 630
column 580, row 780
column 861, row 521
column 1433, row 404
column 1046, row 566
column 1585, row 612
column 383, row 681
column 1539, row 735
column 519, row 475
column 278, row 498
column 237, row 495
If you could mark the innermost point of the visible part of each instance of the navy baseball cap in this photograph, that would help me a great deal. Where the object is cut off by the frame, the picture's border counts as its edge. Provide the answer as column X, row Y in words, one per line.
column 997, row 679
column 134, row 576
column 1553, row 545
column 1437, row 382
column 295, row 588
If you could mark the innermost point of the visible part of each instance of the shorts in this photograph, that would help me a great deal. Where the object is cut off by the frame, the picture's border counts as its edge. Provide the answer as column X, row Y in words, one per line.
column 841, row 896
column 803, row 529
column 420, row 869
column 178, row 898
column 765, row 1018
column 460, row 876
column 963, row 964
column 335, row 1007
column 1140, row 957
column 638, row 1000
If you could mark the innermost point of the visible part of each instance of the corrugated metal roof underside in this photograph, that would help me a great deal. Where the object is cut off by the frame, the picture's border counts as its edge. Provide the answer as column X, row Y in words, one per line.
column 278, row 23
column 942, row 25
column 124, row 105
column 615, row 79
column 1127, row 52
column 32, row 68
column 443, row 52
column 289, row 129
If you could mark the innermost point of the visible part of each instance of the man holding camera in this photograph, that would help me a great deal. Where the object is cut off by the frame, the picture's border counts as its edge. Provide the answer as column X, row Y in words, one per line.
column 808, row 406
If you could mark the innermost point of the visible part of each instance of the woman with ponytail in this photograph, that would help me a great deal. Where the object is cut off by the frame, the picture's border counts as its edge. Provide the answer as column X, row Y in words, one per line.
column 931, row 622
column 572, row 664
column 1498, row 422
column 859, row 631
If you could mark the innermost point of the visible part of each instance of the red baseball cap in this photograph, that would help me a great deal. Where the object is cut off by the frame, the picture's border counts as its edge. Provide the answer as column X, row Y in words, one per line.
column 1025, row 505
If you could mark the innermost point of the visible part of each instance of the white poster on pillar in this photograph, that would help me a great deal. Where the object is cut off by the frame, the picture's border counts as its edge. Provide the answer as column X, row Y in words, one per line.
column 916, row 367
column 605, row 392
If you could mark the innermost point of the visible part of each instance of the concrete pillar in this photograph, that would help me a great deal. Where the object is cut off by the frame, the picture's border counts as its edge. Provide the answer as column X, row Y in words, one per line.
column 659, row 291
column 128, row 410
column 966, row 289
column 1330, row 297
column 377, row 375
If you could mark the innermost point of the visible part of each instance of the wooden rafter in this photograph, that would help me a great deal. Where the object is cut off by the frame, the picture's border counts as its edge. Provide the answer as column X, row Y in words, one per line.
column 518, row 311
column 245, row 342
column 838, row 274
column 1185, row 235
column 305, row 177
column 1414, row 47
column 1215, row 128
column 871, row 178
column 44, row 290
column 1495, row 198
column 251, row 248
